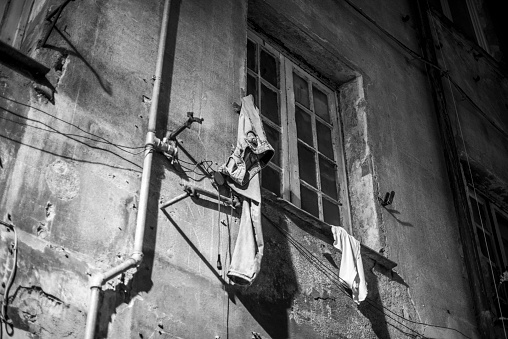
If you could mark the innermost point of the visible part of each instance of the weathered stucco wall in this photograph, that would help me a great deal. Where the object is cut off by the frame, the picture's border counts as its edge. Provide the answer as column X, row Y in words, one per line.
column 68, row 187
column 480, row 122
column 403, row 147
column 71, row 173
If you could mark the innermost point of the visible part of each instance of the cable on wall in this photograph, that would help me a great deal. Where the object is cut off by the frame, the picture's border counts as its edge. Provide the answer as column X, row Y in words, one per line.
column 334, row 277
column 3, row 309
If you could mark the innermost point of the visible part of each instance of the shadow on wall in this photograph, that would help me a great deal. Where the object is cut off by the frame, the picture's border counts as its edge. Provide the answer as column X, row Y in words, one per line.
column 142, row 280
column 105, row 85
column 269, row 298
column 371, row 307
column 323, row 264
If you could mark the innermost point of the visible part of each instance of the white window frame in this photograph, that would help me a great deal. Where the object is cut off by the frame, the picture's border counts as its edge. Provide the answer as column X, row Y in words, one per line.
column 494, row 210
column 475, row 21
column 487, row 226
column 14, row 20
column 491, row 223
column 289, row 169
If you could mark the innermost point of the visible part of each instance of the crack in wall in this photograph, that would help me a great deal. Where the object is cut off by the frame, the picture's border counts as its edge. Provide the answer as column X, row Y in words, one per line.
column 45, row 315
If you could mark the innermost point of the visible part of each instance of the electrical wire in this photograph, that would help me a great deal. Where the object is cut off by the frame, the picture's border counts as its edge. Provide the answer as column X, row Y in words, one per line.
column 332, row 275
column 69, row 135
column 54, row 130
column 3, row 310
column 96, row 138
column 341, row 284
column 219, row 263
column 185, row 170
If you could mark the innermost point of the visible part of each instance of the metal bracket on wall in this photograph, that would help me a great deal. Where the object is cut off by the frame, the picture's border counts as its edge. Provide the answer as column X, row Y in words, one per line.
column 388, row 199
column 186, row 124
column 168, row 145
column 237, row 107
column 57, row 11
column 193, row 191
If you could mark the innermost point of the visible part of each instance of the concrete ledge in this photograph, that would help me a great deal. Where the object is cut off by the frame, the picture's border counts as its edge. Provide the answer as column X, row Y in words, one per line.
column 319, row 228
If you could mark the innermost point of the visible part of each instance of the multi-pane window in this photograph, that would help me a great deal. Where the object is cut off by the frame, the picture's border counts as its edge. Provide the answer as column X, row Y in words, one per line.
column 299, row 113
column 491, row 231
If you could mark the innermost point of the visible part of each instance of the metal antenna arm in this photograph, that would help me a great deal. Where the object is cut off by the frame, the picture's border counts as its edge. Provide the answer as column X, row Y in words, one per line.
column 186, row 124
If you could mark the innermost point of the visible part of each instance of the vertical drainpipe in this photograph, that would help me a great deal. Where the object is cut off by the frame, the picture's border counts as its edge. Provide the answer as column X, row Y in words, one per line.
column 99, row 279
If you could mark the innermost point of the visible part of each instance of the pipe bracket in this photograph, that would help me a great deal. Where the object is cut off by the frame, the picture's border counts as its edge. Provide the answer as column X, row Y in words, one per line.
column 137, row 257
column 97, row 280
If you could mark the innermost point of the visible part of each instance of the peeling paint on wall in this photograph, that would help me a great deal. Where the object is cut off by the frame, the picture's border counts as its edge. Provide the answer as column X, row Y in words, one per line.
column 62, row 179
column 359, row 164
column 44, row 315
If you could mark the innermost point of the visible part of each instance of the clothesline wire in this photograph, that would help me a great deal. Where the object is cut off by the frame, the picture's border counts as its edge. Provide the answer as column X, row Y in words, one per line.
column 185, row 170
column 68, row 135
column 96, row 138
column 331, row 274
column 473, row 185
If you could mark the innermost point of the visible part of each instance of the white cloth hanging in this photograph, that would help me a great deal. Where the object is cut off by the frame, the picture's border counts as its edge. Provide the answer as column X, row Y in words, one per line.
column 351, row 266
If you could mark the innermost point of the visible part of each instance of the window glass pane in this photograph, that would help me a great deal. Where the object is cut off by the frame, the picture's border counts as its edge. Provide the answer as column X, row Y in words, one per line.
column 331, row 212
column 309, row 201
column 475, row 206
column 328, row 182
column 502, row 222
column 307, row 164
column 270, row 105
column 321, row 104
column 503, row 299
column 268, row 68
column 251, row 56
column 270, row 179
column 252, row 87
column 273, row 137
column 303, row 126
column 485, row 241
column 301, row 90
column 324, row 138
column 11, row 20
column 481, row 240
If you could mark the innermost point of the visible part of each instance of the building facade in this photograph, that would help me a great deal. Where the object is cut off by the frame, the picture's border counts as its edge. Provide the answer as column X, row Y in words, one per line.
column 387, row 118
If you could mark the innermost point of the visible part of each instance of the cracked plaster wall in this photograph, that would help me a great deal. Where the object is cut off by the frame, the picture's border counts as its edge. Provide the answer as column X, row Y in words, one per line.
column 71, row 174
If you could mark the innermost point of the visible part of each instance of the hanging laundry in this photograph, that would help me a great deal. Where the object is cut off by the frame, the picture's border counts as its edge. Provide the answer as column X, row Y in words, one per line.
column 252, row 153
column 351, row 266
column 246, row 259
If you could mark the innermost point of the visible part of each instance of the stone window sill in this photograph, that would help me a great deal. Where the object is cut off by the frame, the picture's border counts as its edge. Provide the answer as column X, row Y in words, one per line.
column 319, row 228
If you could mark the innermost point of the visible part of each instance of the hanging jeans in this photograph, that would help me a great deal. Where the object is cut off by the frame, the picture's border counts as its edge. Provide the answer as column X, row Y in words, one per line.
column 246, row 258
column 251, row 154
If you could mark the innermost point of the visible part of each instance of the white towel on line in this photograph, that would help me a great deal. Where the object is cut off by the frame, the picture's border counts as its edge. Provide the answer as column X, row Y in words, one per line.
column 351, row 266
